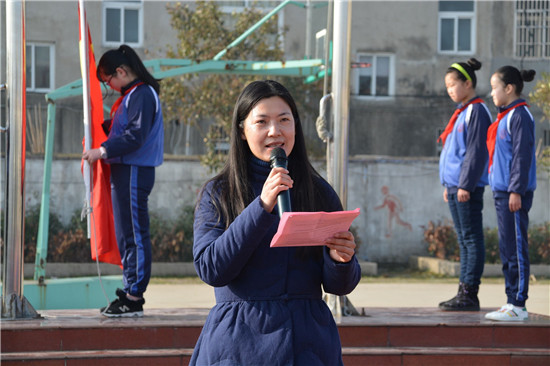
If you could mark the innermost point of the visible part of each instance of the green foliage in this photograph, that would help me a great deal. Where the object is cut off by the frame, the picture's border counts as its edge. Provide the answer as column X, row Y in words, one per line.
column 199, row 99
column 492, row 248
column 442, row 241
column 172, row 240
column 540, row 95
column 443, row 244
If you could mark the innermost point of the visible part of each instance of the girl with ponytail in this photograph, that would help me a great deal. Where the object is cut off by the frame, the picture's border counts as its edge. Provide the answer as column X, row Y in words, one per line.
column 134, row 147
column 463, row 174
column 512, row 177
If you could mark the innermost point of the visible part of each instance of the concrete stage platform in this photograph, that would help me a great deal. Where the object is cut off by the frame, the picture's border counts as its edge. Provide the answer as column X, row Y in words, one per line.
column 384, row 336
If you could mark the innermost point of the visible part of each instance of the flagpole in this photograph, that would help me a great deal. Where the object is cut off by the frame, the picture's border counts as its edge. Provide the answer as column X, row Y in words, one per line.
column 87, row 108
column 14, row 304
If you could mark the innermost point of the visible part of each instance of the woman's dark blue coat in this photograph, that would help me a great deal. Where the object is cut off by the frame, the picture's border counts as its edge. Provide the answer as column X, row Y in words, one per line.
column 269, row 308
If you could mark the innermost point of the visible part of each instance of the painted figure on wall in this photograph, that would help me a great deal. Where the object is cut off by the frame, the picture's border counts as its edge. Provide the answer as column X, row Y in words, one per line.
column 394, row 207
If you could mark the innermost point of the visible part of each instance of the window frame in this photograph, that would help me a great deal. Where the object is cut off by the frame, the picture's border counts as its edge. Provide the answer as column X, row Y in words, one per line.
column 32, row 76
column 122, row 6
column 456, row 16
column 391, row 77
column 543, row 33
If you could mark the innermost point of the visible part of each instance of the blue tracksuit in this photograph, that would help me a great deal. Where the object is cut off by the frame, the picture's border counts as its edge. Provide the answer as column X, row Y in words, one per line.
column 463, row 164
column 514, row 171
column 135, row 147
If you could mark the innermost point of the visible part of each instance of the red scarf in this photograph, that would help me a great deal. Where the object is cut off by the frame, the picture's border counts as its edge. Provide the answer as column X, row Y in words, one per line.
column 117, row 102
column 453, row 119
column 492, row 132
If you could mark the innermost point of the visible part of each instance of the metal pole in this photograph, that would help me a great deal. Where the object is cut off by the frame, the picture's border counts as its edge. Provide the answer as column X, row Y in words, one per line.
column 340, row 305
column 328, row 68
column 309, row 15
column 341, row 90
column 14, row 305
column 44, row 223
column 87, row 107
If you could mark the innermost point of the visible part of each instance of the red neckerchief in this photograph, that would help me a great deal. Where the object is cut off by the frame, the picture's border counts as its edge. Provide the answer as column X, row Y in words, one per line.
column 116, row 104
column 453, row 119
column 492, row 132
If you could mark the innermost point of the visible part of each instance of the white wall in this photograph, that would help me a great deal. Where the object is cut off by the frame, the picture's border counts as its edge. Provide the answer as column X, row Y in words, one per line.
column 413, row 182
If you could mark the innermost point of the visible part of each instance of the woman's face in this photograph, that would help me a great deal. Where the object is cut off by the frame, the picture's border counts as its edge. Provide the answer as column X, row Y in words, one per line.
column 458, row 90
column 502, row 94
column 269, row 124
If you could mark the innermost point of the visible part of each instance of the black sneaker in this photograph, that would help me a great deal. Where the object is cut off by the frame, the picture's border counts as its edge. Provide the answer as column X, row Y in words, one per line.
column 124, row 307
column 121, row 295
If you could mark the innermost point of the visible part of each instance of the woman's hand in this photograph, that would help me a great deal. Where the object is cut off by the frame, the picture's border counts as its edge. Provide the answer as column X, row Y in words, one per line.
column 92, row 155
column 277, row 181
column 342, row 246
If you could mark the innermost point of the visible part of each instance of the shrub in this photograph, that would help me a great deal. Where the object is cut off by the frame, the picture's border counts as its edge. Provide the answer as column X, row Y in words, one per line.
column 442, row 240
column 443, row 244
column 172, row 240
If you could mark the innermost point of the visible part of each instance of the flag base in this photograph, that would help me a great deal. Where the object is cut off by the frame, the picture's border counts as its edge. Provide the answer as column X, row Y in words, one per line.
column 15, row 307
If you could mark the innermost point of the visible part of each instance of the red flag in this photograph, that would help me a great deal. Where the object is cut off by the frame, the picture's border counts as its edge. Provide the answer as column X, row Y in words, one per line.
column 103, row 239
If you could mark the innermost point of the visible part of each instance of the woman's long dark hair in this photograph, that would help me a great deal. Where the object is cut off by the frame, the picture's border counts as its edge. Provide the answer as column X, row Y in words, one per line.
column 125, row 55
column 233, row 181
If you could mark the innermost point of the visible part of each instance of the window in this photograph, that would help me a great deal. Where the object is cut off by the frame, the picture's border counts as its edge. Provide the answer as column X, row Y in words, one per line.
column 456, row 27
column 122, row 23
column 532, row 33
column 373, row 75
column 40, row 67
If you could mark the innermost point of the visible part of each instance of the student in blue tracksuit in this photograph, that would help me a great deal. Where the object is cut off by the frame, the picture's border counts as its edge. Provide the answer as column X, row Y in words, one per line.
column 463, row 173
column 269, row 308
column 512, row 177
column 134, row 147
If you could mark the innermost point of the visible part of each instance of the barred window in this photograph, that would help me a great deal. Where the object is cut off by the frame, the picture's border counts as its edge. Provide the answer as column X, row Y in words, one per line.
column 532, row 39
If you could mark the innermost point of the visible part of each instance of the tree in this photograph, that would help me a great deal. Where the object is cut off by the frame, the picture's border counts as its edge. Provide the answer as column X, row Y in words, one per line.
column 202, row 31
column 540, row 95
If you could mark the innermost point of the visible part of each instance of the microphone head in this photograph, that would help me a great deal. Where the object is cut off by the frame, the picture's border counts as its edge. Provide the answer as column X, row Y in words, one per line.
column 278, row 157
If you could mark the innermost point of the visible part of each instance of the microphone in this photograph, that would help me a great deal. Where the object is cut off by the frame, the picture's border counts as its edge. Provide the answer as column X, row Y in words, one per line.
column 278, row 159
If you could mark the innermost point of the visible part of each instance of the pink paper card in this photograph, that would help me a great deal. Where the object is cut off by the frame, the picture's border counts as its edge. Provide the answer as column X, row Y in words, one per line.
column 311, row 228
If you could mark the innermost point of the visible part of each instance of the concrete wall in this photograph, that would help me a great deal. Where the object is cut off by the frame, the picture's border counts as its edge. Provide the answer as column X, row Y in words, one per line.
column 412, row 183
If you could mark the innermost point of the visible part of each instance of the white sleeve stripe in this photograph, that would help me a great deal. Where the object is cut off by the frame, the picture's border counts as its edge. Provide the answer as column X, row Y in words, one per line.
column 157, row 102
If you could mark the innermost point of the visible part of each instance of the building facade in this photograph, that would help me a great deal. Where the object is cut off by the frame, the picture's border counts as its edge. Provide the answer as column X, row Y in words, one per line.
column 400, row 51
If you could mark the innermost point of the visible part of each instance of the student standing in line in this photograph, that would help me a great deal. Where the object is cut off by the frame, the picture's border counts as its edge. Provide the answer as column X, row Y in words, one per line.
column 512, row 177
column 134, row 147
column 463, row 173
column 269, row 308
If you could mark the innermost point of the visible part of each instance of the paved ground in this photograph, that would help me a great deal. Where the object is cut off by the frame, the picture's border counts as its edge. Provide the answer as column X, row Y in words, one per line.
column 367, row 294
